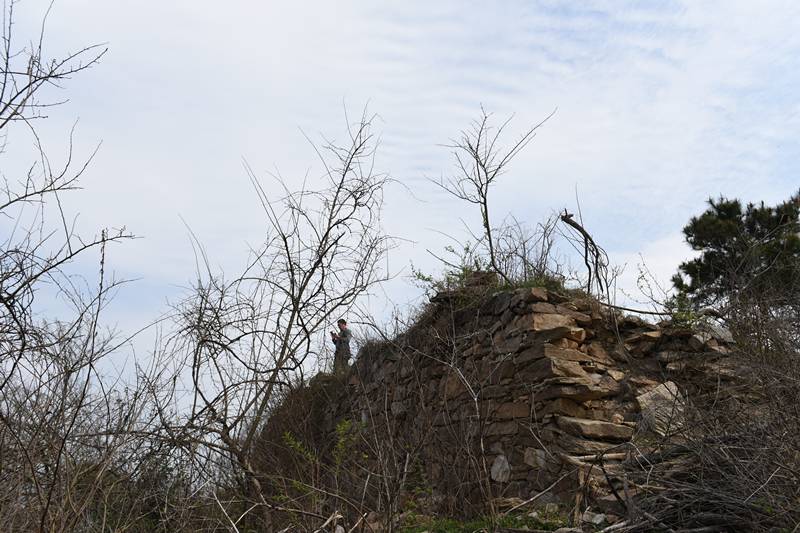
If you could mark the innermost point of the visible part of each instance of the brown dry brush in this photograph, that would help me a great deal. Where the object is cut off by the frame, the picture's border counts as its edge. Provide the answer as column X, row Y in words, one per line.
column 733, row 465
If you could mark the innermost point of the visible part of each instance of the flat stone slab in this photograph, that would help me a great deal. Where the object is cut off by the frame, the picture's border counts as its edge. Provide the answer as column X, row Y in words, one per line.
column 548, row 321
column 662, row 408
column 594, row 429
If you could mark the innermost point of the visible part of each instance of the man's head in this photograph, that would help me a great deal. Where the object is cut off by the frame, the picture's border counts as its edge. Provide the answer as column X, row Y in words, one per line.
column 342, row 323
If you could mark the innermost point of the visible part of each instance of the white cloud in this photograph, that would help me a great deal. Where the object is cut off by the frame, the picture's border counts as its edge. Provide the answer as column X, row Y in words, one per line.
column 660, row 105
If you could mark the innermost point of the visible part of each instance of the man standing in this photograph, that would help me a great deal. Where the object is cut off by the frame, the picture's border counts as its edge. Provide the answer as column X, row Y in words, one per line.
column 341, row 357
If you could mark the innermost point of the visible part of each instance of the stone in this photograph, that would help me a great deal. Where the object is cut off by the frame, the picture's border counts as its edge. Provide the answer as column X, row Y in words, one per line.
column 537, row 458
column 720, row 349
column 578, row 446
column 536, row 294
column 491, row 392
column 503, row 370
column 500, row 470
column 452, row 387
column 502, row 428
column 698, row 341
column 620, row 354
column 679, row 332
column 576, row 389
column 645, row 336
column 581, row 318
column 576, row 334
column 720, row 333
column 500, row 301
column 546, row 368
column 610, row 383
column 594, row 429
column 512, row 410
column 529, row 354
column 652, row 335
column 584, row 304
column 549, row 321
column 562, row 406
column 598, row 353
column 518, row 298
column 595, row 378
column 596, row 519
column 640, row 348
column 643, row 383
column 437, row 370
column 542, row 307
column 507, row 344
column 661, row 408
column 551, row 509
column 672, row 356
column 616, row 374
column 553, row 352
column 557, row 334
column 564, row 343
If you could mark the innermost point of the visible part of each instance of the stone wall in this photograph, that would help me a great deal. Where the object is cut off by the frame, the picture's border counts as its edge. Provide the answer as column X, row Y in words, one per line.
column 508, row 394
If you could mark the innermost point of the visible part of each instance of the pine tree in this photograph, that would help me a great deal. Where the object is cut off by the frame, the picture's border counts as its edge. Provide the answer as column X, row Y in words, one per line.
column 746, row 253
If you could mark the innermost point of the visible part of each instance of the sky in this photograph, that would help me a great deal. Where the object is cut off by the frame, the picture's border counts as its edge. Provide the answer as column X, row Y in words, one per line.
column 659, row 106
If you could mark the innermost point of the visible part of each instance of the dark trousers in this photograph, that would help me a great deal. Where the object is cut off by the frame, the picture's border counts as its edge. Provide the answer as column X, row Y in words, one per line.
column 341, row 358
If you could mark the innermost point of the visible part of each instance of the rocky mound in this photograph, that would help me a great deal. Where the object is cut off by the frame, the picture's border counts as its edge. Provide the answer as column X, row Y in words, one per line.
column 508, row 397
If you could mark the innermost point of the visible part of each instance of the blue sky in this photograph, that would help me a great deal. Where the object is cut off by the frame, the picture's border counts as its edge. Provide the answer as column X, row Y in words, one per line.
column 660, row 105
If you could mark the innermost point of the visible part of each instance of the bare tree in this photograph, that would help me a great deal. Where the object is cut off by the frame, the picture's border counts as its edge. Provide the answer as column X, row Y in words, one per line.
column 29, row 255
column 71, row 454
column 480, row 160
column 246, row 339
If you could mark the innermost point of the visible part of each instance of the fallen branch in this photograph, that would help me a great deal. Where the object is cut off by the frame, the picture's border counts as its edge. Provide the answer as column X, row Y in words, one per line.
column 537, row 496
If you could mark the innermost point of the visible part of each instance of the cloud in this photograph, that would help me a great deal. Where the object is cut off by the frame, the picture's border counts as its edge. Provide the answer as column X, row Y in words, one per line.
column 660, row 105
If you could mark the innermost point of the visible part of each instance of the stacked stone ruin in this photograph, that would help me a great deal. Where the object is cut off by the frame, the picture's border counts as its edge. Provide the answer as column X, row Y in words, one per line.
column 531, row 392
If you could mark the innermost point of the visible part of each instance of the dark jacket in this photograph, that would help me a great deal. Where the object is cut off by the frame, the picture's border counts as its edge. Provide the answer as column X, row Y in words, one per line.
column 342, row 342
